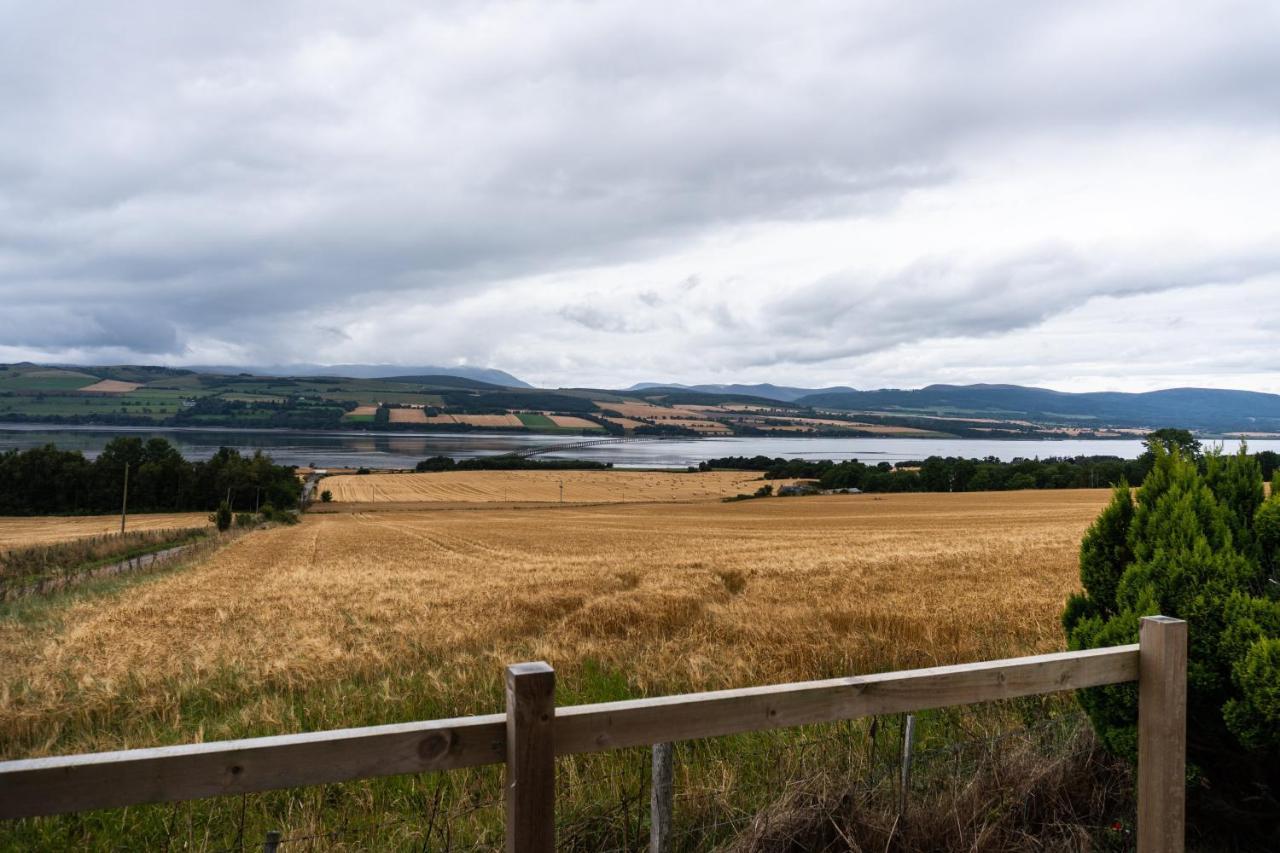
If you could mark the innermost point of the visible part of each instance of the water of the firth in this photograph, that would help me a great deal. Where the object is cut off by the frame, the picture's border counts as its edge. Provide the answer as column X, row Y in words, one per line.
column 403, row 450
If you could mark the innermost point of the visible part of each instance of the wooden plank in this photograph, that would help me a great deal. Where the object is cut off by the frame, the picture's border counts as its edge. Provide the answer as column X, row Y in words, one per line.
column 114, row 779
column 104, row 780
column 662, row 799
column 644, row 722
column 1162, row 735
column 531, row 758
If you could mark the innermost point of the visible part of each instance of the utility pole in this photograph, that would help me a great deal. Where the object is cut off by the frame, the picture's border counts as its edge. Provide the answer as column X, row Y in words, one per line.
column 124, row 500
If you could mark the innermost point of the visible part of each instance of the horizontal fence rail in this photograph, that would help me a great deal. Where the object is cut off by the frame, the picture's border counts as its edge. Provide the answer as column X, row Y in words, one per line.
column 46, row 786
column 42, row 786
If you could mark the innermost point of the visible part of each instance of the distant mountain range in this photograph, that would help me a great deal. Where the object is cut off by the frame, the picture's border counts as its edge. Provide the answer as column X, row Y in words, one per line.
column 1208, row 409
column 31, row 391
column 370, row 371
column 784, row 393
column 1205, row 409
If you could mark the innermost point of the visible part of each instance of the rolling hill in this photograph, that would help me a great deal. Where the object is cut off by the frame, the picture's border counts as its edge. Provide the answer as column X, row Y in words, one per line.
column 144, row 394
column 1204, row 409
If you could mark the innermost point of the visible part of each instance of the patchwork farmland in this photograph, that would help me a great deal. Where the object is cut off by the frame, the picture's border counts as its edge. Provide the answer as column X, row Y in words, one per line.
column 132, row 395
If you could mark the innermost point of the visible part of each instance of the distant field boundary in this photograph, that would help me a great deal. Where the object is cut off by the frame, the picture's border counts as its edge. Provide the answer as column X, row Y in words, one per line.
column 533, row 731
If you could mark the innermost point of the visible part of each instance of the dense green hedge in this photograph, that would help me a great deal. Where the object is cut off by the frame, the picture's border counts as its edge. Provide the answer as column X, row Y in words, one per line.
column 1198, row 542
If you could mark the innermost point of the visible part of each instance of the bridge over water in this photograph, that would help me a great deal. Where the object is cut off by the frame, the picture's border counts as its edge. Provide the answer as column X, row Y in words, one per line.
column 590, row 442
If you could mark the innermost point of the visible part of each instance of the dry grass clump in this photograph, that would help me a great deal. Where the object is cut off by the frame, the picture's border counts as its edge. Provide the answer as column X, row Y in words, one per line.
column 1019, row 794
column 541, row 486
column 25, row 531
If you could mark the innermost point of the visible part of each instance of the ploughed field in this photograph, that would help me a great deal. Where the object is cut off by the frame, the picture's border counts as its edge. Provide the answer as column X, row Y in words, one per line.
column 22, row 532
column 542, row 486
column 361, row 618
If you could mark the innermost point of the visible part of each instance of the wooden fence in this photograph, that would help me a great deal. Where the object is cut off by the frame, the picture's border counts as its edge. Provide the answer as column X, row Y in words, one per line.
column 533, row 731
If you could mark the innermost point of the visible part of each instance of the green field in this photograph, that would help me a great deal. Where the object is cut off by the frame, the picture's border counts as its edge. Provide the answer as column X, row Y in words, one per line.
column 530, row 419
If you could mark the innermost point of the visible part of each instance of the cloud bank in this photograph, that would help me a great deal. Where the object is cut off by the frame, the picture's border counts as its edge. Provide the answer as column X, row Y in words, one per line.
column 1076, row 195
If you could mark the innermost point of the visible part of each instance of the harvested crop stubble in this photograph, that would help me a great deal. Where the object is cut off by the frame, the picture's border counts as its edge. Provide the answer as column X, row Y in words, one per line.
column 407, row 416
column 699, row 425
column 628, row 423
column 429, row 605
column 22, row 531
column 579, row 486
column 638, row 410
column 111, row 386
column 507, row 420
column 573, row 422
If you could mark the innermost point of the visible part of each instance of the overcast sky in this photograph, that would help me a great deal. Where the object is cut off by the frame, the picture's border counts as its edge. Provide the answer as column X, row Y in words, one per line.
column 1079, row 195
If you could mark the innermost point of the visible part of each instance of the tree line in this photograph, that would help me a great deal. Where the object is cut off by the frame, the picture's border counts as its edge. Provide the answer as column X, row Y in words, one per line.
column 955, row 474
column 48, row 481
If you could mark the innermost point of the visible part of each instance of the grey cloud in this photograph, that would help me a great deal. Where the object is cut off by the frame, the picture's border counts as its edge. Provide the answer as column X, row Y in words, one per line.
column 102, row 329
column 230, row 170
column 852, row 314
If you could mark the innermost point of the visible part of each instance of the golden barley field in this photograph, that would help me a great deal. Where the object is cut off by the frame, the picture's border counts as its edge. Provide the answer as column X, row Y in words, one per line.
column 542, row 486
column 20, row 532
column 406, row 609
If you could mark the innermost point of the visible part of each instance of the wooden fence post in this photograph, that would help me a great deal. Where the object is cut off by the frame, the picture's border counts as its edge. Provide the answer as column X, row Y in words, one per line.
column 661, row 798
column 1162, row 735
column 531, row 758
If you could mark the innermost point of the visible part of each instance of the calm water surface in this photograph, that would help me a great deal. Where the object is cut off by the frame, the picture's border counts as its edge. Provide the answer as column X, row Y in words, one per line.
column 402, row 450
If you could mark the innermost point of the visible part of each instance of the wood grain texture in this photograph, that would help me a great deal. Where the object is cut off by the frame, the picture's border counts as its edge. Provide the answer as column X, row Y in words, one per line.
column 643, row 722
column 531, row 758
column 104, row 780
column 1162, row 735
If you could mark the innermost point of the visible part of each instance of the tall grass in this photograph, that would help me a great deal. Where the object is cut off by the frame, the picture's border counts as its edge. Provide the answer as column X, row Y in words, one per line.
column 35, row 568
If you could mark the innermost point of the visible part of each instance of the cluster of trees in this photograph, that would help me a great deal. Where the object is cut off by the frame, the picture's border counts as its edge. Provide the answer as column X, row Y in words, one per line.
column 46, row 480
column 507, row 463
column 292, row 412
column 954, row 474
column 1199, row 541
column 939, row 474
